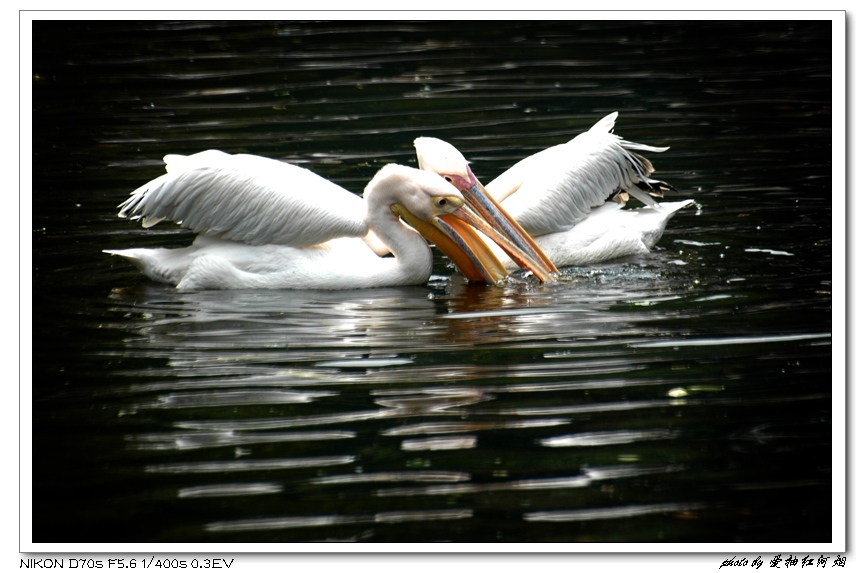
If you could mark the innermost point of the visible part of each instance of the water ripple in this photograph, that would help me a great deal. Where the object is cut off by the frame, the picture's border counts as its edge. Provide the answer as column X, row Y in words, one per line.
column 602, row 513
column 588, row 439
column 459, row 427
column 276, row 523
column 418, row 476
column 730, row 340
column 198, row 440
column 235, row 398
column 248, row 465
column 229, row 490
column 437, row 444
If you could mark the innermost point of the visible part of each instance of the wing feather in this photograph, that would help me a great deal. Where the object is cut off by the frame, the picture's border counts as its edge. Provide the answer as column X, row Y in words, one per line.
column 248, row 199
column 554, row 189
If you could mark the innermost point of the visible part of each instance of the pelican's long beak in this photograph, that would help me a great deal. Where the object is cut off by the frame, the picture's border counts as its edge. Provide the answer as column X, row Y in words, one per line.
column 510, row 238
column 527, row 253
column 445, row 160
column 455, row 236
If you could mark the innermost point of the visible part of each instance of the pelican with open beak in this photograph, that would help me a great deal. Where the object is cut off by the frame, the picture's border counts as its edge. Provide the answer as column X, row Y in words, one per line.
column 263, row 223
column 569, row 198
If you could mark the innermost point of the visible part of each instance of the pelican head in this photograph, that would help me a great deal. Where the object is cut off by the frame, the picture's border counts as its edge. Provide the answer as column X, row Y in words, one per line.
column 441, row 157
column 439, row 212
column 445, row 160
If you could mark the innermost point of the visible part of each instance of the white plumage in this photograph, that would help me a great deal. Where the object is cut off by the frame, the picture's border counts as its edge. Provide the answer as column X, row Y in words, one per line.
column 570, row 197
column 262, row 223
column 609, row 232
column 248, row 198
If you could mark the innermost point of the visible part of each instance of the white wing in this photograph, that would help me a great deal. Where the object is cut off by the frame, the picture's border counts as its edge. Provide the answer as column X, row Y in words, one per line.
column 249, row 199
column 556, row 188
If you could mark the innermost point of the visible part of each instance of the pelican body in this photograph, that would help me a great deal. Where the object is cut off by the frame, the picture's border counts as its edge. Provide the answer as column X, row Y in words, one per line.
column 570, row 198
column 262, row 223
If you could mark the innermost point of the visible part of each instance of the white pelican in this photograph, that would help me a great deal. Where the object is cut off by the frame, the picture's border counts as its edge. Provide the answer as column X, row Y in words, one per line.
column 570, row 197
column 262, row 223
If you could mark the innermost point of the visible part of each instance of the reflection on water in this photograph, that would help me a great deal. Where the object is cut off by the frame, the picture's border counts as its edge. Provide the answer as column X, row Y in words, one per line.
column 671, row 397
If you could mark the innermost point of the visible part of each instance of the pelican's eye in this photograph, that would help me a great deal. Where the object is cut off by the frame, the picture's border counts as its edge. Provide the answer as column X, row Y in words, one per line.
column 446, row 204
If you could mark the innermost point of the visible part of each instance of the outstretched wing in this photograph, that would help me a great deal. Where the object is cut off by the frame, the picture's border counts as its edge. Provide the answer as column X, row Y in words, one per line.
column 556, row 188
column 249, row 199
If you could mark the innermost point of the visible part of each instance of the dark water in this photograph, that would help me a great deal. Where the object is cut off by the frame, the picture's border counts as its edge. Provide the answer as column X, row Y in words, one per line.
column 683, row 396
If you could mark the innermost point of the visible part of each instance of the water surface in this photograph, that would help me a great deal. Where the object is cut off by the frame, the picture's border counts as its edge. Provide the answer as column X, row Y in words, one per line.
column 682, row 396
